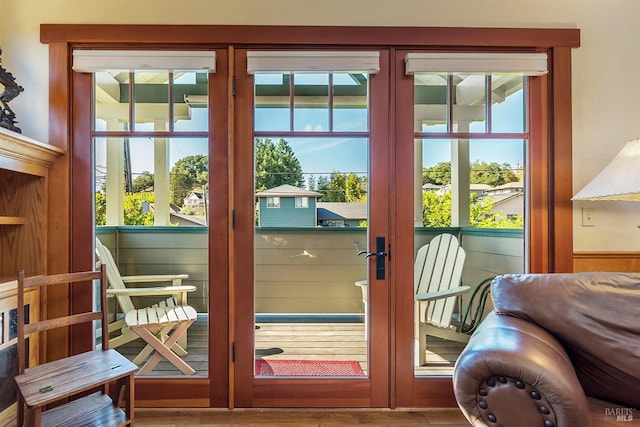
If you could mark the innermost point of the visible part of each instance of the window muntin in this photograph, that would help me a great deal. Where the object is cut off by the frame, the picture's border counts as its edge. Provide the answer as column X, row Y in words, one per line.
column 457, row 128
column 320, row 102
column 156, row 145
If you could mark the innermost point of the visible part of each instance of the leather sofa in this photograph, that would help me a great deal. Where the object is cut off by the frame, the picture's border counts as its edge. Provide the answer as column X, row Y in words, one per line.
column 558, row 350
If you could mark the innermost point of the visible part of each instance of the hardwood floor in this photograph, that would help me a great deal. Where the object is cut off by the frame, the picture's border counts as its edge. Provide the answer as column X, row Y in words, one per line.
column 329, row 341
column 315, row 341
column 299, row 417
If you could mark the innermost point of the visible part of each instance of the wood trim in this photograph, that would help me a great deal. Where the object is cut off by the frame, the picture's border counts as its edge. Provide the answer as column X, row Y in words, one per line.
column 553, row 198
column 82, row 187
column 219, row 356
column 628, row 262
column 59, row 198
column 242, row 234
column 172, row 392
column 561, row 179
column 23, row 154
column 403, row 237
column 537, row 169
column 380, row 291
column 535, row 38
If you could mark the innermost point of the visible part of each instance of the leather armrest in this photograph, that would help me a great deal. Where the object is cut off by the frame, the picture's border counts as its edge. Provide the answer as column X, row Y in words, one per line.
column 514, row 373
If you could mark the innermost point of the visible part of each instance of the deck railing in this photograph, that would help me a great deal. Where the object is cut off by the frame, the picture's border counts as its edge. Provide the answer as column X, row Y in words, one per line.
column 297, row 271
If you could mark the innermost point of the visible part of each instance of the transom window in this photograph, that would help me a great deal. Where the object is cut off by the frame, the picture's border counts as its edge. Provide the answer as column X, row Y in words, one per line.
column 470, row 133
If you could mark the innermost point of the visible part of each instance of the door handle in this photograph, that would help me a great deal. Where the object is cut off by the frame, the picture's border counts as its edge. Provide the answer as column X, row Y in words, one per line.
column 380, row 254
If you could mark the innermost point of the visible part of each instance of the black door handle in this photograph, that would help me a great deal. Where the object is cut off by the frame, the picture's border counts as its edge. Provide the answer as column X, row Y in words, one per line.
column 380, row 254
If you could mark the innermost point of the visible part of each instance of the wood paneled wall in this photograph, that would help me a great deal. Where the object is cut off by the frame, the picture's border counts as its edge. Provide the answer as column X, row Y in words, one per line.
column 606, row 261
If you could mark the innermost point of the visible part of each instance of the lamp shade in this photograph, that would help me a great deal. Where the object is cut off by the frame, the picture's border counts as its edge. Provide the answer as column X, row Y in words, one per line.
column 619, row 180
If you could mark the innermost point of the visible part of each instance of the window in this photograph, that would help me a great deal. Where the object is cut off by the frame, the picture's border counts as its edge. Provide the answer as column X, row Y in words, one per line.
column 471, row 134
column 302, row 202
column 151, row 147
column 273, row 202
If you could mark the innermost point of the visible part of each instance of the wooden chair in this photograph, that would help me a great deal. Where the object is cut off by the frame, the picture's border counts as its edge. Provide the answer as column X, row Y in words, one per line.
column 161, row 328
column 71, row 382
column 170, row 296
column 438, row 281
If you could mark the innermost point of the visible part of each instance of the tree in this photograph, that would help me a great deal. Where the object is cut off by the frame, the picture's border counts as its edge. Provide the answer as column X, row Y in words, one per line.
column 436, row 209
column 101, row 208
column 187, row 173
column 493, row 173
column 275, row 165
column 436, row 212
column 439, row 174
column 311, row 183
column 142, row 182
column 353, row 189
column 335, row 189
column 134, row 214
column 322, row 186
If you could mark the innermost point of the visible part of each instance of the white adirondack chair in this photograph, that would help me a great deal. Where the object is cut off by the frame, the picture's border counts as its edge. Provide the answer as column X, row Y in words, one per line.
column 438, row 281
column 176, row 296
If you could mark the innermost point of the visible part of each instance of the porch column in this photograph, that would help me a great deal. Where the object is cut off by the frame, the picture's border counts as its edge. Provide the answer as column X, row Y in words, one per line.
column 161, row 177
column 114, row 186
column 460, row 179
column 417, row 184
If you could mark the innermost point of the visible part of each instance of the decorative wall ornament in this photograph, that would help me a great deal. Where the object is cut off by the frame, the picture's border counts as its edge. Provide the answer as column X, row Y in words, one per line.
column 10, row 89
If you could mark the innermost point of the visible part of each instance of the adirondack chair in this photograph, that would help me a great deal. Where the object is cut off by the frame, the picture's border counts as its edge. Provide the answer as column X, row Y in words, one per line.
column 438, row 281
column 176, row 296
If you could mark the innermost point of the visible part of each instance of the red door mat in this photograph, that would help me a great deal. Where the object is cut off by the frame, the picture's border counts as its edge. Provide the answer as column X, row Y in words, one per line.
column 306, row 368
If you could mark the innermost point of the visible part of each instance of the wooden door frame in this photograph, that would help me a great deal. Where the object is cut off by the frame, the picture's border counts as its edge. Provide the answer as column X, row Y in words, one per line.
column 542, row 214
column 549, row 238
column 371, row 391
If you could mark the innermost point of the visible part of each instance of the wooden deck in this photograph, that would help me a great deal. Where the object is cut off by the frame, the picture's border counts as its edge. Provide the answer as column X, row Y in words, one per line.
column 306, row 341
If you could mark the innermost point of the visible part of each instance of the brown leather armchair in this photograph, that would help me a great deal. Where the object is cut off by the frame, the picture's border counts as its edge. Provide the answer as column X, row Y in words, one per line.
column 559, row 350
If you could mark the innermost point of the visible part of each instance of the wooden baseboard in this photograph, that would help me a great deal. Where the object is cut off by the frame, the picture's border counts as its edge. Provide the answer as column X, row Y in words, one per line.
column 606, row 261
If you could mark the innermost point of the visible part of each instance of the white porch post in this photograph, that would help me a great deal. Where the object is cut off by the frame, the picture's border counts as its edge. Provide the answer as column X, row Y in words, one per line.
column 115, row 176
column 460, row 179
column 161, row 177
column 417, row 184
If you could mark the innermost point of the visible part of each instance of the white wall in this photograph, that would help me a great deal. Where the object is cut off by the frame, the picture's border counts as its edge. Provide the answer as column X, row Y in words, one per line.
column 606, row 112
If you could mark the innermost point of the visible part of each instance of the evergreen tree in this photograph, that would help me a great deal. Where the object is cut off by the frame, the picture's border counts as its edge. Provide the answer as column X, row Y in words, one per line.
column 275, row 165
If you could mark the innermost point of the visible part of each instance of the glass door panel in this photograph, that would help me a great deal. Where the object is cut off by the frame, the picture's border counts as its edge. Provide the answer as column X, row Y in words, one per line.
column 151, row 175
column 311, row 216
column 468, row 205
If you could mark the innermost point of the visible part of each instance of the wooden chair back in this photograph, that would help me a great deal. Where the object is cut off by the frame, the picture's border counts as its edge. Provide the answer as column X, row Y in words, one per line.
column 95, row 314
column 114, row 278
column 438, row 267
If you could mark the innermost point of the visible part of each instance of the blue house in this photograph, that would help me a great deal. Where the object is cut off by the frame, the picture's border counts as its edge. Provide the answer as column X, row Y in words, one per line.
column 287, row 206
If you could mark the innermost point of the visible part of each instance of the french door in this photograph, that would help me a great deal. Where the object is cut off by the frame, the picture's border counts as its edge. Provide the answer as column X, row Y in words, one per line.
column 296, row 263
column 236, row 263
